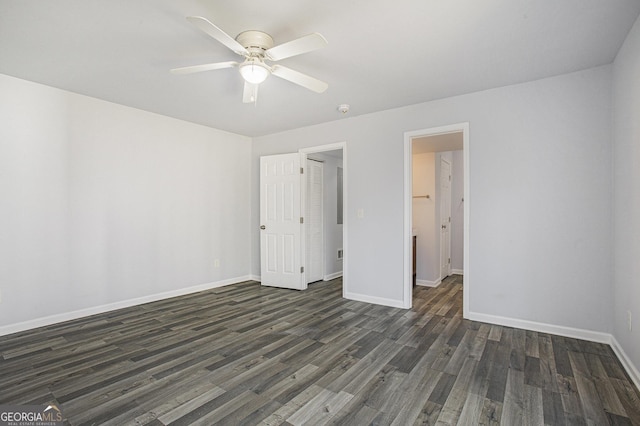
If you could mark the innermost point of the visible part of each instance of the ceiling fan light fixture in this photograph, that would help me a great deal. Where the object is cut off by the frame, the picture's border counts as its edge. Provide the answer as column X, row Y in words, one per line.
column 256, row 47
column 254, row 71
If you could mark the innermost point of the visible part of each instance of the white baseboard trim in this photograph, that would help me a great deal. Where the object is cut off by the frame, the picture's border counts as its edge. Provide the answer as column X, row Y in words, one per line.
column 457, row 272
column 576, row 333
column 375, row 300
column 333, row 276
column 255, row 278
column 426, row 283
column 68, row 316
column 631, row 369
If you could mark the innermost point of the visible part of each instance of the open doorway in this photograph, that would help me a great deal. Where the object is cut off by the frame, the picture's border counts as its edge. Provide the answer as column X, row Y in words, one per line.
column 438, row 207
column 323, row 217
column 284, row 218
column 325, row 222
column 437, row 147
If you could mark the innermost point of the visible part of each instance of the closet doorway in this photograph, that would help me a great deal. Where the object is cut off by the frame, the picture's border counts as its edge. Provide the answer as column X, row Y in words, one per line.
column 437, row 220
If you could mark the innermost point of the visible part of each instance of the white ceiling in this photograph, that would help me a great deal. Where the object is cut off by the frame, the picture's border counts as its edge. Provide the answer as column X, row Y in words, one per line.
column 381, row 54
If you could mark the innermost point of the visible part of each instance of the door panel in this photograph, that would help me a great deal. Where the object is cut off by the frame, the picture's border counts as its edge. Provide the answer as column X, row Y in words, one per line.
column 314, row 267
column 280, row 230
column 269, row 252
column 445, row 218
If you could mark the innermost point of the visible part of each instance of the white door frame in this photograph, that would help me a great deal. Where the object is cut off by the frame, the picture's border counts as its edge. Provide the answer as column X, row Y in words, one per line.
column 333, row 147
column 408, row 198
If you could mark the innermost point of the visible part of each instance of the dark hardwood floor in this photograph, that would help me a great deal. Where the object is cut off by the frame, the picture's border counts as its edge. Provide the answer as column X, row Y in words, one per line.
column 245, row 354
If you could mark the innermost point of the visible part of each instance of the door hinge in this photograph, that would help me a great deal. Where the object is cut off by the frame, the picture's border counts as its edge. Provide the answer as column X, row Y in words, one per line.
column 301, row 219
column 302, row 269
column 301, row 170
column 449, row 261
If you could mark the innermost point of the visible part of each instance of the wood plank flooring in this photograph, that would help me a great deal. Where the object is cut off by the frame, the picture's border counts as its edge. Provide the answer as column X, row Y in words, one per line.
column 244, row 354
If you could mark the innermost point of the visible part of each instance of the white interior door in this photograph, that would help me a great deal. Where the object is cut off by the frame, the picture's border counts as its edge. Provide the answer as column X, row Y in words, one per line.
column 281, row 230
column 314, row 219
column 445, row 218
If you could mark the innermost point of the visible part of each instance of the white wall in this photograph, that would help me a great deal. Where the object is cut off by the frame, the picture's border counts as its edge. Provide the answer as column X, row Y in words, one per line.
column 540, row 165
column 103, row 204
column 626, row 199
column 424, row 219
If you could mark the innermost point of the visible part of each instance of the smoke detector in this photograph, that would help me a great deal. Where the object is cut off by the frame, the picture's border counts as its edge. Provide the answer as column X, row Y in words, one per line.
column 344, row 108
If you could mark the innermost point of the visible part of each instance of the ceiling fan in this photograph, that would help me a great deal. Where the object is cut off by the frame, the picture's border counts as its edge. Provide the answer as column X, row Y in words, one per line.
column 257, row 47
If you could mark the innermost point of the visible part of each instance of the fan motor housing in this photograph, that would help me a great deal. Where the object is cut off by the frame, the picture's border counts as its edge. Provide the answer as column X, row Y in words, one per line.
column 255, row 41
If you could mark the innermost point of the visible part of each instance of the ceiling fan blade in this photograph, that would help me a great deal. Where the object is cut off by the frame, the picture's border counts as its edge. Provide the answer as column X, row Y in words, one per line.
column 300, row 79
column 250, row 94
column 204, row 67
column 205, row 25
column 296, row 47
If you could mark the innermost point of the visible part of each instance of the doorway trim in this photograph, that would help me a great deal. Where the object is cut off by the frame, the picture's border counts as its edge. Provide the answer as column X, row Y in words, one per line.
column 408, row 208
column 345, row 199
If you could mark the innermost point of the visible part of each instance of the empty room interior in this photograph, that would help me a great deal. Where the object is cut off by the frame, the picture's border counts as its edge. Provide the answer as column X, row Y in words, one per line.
column 303, row 212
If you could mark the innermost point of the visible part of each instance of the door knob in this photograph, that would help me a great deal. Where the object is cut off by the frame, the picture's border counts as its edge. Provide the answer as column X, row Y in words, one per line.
column 263, row 227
